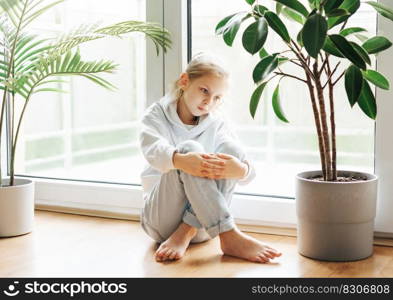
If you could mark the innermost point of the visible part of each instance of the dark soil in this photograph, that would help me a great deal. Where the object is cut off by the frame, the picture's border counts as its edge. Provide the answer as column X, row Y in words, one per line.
column 352, row 178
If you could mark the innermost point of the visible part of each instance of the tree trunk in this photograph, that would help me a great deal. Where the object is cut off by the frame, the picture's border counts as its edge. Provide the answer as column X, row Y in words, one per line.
column 332, row 123
column 325, row 130
column 318, row 126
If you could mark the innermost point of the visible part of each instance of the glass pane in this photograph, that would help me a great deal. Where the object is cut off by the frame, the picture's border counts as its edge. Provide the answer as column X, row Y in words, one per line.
column 281, row 150
column 90, row 132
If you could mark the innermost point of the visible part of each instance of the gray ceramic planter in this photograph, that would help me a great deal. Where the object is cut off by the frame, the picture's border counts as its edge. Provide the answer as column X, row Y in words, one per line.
column 335, row 219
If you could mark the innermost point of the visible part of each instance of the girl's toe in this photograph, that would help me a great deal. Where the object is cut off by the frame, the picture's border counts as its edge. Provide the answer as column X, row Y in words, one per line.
column 160, row 250
column 168, row 253
column 268, row 254
column 158, row 258
column 275, row 252
column 161, row 255
column 172, row 255
column 261, row 258
column 264, row 258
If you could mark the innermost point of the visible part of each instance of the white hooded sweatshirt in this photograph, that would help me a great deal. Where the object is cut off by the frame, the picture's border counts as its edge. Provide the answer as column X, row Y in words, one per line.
column 161, row 130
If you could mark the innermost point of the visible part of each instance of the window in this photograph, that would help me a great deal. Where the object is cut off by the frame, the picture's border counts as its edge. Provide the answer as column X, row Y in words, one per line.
column 89, row 133
column 280, row 150
column 82, row 134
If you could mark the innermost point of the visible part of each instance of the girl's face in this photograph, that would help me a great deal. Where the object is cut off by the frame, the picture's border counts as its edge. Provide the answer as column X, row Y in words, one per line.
column 203, row 94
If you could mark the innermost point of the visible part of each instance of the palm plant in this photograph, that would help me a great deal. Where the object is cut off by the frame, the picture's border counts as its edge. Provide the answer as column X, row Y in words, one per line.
column 30, row 64
column 318, row 49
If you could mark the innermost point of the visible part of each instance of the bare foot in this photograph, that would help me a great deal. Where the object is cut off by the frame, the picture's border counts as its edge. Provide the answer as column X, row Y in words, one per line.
column 236, row 243
column 176, row 245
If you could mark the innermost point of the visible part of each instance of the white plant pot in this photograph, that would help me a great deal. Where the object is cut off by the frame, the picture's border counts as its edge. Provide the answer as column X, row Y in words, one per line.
column 16, row 207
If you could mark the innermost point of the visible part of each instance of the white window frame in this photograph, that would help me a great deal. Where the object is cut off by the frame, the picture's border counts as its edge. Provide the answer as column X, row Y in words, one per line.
column 4, row 153
column 383, row 135
column 126, row 200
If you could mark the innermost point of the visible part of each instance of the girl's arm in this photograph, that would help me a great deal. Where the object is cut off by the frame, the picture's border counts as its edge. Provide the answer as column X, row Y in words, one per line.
column 154, row 143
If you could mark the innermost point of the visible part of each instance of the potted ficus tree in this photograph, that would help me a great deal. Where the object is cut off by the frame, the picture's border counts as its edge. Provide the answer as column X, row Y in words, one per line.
column 335, row 208
column 30, row 64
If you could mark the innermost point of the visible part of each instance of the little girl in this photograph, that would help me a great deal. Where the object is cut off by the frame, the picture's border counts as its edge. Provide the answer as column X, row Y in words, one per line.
column 195, row 162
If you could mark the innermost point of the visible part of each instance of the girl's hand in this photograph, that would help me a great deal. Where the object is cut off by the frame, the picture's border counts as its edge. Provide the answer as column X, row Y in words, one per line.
column 233, row 167
column 193, row 163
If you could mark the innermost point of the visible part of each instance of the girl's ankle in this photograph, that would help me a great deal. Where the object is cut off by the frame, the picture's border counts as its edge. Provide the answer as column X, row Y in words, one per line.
column 190, row 230
column 229, row 234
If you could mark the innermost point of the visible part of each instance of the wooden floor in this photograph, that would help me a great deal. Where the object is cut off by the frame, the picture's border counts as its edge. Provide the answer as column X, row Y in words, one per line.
column 65, row 245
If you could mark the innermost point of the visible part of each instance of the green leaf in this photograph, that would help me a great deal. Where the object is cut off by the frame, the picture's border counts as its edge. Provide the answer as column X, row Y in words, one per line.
column 51, row 81
column 22, row 42
column 349, row 5
column 100, row 81
column 376, row 44
column 255, row 35
column 279, row 8
column 66, row 61
column 332, row 4
column 377, row 78
column 362, row 52
column 299, row 38
column 277, row 105
column 260, row 9
column 62, row 66
column 232, row 27
column 382, row 9
column 347, row 50
column 314, row 4
column 159, row 35
column 277, row 25
column 282, row 60
column 267, row 65
column 338, row 12
column 295, row 5
column 263, row 53
column 314, row 34
column 251, row 2
column 229, row 36
column 32, row 15
column 367, row 101
column 50, row 90
column 353, row 84
column 224, row 25
column 292, row 15
column 256, row 95
column 75, row 60
column 330, row 48
column 351, row 30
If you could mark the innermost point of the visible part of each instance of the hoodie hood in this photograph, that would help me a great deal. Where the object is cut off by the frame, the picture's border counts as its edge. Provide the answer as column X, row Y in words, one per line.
column 169, row 107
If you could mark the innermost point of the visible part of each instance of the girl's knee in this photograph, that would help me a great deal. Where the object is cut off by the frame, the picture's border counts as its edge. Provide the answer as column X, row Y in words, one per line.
column 190, row 146
column 231, row 148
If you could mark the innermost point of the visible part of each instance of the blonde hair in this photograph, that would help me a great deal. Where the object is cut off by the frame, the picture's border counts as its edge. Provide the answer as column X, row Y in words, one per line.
column 200, row 65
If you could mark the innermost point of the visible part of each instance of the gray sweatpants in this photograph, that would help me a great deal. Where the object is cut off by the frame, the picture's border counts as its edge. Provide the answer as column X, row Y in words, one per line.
column 198, row 201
